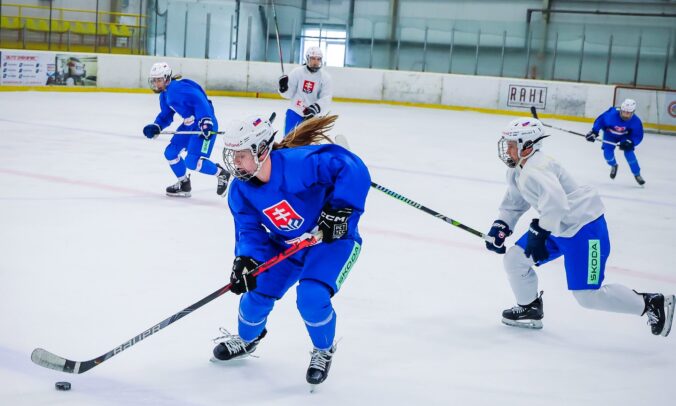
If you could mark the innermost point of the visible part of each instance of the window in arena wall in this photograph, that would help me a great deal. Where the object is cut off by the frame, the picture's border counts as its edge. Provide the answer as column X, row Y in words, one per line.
column 330, row 40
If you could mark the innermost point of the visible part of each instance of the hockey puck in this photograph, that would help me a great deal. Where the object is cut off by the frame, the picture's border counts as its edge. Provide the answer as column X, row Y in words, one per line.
column 62, row 385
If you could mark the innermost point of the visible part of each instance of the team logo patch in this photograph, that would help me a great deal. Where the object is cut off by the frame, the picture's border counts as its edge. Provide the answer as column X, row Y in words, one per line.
column 283, row 216
column 308, row 86
column 258, row 121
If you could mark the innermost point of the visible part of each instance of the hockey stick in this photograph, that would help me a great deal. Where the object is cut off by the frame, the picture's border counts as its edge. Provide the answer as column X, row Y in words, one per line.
column 342, row 141
column 279, row 44
column 271, row 120
column 49, row 360
column 534, row 112
column 430, row 211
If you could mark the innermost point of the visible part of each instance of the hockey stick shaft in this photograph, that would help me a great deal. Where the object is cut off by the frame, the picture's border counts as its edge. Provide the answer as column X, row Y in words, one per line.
column 271, row 120
column 427, row 210
column 47, row 359
column 279, row 43
column 534, row 112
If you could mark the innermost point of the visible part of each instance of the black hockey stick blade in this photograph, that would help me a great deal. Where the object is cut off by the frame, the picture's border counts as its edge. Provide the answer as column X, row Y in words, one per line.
column 534, row 112
column 50, row 360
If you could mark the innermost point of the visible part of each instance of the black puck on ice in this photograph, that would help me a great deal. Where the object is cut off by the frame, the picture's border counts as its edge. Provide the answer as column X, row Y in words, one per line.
column 62, row 385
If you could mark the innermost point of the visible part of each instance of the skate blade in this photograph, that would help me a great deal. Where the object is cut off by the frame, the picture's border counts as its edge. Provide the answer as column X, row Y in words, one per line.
column 182, row 194
column 532, row 324
column 669, row 304
column 313, row 388
column 227, row 361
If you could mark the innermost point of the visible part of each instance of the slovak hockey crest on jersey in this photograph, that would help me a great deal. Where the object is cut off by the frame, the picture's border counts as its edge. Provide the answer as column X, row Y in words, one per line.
column 283, row 216
column 308, row 86
column 618, row 130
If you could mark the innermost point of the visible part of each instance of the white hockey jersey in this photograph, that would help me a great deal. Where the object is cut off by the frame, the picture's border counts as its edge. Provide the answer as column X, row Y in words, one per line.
column 306, row 88
column 543, row 184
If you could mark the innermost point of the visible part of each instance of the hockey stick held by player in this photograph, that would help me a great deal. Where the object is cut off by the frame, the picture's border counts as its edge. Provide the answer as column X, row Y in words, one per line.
column 195, row 137
column 571, row 224
column 279, row 193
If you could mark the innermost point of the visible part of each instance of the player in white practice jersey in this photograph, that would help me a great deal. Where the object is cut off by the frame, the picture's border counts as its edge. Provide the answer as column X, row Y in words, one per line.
column 308, row 88
column 571, row 224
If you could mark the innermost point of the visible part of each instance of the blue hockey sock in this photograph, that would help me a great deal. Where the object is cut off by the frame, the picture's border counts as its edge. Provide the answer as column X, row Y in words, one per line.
column 314, row 303
column 253, row 314
column 633, row 162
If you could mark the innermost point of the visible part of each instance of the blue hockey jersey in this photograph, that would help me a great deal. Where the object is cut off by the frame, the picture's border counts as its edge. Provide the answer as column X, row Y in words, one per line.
column 302, row 181
column 612, row 124
column 186, row 98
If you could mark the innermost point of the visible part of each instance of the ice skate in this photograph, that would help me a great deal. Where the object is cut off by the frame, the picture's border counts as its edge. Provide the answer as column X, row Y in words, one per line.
column 223, row 178
column 640, row 180
column 320, row 363
column 181, row 188
column 613, row 171
column 660, row 311
column 233, row 347
column 525, row 316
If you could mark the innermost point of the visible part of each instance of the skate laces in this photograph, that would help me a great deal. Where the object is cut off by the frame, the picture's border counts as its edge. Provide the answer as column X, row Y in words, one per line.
column 518, row 309
column 320, row 358
column 232, row 342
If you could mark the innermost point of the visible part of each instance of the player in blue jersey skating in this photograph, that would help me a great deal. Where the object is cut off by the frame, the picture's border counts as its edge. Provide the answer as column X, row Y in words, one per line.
column 620, row 126
column 188, row 99
column 571, row 224
column 281, row 192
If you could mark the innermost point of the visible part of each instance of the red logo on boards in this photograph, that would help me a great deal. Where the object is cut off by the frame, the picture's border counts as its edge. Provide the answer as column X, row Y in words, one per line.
column 308, row 86
column 283, row 216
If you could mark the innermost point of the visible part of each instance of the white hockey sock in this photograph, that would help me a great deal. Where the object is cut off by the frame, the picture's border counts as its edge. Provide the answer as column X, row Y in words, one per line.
column 611, row 298
column 522, row 278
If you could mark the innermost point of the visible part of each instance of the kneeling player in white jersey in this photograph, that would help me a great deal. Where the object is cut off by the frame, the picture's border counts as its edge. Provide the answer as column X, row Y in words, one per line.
column 571, row 225
column 308, row 88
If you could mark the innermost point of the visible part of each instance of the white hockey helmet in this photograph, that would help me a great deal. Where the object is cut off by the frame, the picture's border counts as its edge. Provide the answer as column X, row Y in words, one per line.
column 314, row 52
column 526, row 133
column 628, row 105
column 159, row 70
column 254, row 135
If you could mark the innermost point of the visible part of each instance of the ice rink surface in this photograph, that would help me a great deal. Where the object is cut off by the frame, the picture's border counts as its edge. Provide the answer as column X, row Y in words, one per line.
column 94, row 253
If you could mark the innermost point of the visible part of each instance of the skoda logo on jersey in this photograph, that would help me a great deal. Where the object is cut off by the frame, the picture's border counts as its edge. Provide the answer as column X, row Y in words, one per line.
column 308, row 86
column 283, row 216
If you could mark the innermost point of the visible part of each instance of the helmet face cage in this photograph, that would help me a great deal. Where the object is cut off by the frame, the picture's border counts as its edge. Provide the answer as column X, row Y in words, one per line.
column 525, row 133
column 160, row 70
column 229, row 160
column 313, row 52
column 253, row 136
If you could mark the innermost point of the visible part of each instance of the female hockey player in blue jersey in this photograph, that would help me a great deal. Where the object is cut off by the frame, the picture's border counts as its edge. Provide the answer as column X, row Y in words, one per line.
column 281, row 192
column 623, row 127
column 571, row 224
column 189, row 100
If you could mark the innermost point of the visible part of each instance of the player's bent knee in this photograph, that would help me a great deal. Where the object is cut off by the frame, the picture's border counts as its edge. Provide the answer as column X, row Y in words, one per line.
column 254, row 307
column 192, row 161
column 313, row 300
column 516, row 262
column 171, row 152
column 587, row 298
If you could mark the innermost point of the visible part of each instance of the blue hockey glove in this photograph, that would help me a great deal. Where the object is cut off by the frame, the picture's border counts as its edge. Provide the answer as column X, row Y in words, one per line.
column 535, row 246
column 283, row 84
column 333, row 223
column 626, row 145
column 311, row 111
column 591, row 136
column 499, row 231
column 151, row 131
column 241, row 279
column 206, row 126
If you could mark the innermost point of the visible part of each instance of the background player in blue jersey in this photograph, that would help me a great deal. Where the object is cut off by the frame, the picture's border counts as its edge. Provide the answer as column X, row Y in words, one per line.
column 189, row 100
column 623, row 127
column 571, row 224
column 280, row 193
